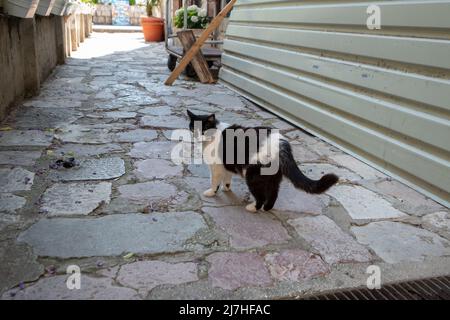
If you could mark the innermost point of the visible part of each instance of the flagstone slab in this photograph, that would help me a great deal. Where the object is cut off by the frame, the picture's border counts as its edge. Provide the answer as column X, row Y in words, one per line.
column 247, row 230
column 120, row 114
column 232, row 270
column 302, row 154
column 316, row 171
column 55, row 288
column 146, row 275
column 154, row 149
column 438, row 222
column 75, row 198
column 86, row 150
column 10, row 203
column 113, row 235
column 394, row 241
column 229, row 102
column 16, row 179
column 362, row 169
column 156, row 169
column 138, row 135
column 19, row 158
column 25, row 138
column 84, row 134
column 18, row 264
column 295, row 200
column 361, row 203
column 91, row 169
column 42, row 118
column 407, row 199
column 333, row 244
column 170, row 121
column 295, row 265
column 156, row 111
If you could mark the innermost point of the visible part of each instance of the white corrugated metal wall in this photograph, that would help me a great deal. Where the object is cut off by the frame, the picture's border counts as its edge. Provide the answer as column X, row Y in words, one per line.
column 382, row 95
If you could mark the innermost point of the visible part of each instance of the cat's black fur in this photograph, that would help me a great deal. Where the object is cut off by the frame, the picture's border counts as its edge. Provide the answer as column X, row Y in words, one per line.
column 263, row 187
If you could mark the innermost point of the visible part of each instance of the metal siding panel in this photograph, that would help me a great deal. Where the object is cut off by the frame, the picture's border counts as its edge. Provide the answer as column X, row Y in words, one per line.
column 395, row 116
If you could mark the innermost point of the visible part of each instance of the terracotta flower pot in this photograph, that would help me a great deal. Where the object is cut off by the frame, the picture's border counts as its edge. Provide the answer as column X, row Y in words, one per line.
column 153, row 28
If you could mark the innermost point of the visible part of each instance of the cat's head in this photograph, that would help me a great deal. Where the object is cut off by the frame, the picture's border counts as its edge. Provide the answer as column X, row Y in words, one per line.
column 202, row 123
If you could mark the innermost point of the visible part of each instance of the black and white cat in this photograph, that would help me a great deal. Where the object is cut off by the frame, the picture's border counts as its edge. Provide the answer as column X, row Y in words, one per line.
column 260, row 155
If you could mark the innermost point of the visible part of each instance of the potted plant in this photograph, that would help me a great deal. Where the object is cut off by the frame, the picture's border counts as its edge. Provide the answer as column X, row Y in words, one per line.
column 58, row 7
column 197, row 20
column 20, row 8
column 44, row 7
column 152, row 27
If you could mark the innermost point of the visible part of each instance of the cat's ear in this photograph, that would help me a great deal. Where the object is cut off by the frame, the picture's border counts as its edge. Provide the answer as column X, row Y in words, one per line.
column 211, row 118
column 190, row 114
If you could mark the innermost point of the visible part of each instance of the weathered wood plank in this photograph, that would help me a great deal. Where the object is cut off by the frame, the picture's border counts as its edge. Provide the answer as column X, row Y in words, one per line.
column 197, row 45
column 187, row 39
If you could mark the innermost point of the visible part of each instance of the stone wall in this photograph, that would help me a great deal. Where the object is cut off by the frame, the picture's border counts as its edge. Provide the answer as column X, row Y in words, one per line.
column 104, row 12
column 31, row 48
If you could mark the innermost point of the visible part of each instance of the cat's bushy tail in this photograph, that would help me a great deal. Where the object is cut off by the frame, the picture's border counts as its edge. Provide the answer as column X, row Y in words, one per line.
column 290, row 170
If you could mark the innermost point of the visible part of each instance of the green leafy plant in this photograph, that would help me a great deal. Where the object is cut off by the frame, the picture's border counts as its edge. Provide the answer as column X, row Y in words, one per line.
column 150, row 4
column 132, row 2
column 197, row 18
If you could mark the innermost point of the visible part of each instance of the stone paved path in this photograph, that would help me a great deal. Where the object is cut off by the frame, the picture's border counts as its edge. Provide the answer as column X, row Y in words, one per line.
column 137, row 224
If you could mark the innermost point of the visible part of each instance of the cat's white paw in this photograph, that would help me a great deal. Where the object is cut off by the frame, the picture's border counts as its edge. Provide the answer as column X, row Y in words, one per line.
column 226, row 187
column 251, row 207
column 209, row 193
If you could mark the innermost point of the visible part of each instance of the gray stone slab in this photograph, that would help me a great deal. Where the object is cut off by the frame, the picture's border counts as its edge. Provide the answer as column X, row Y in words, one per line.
column 84, row 134
column 113, row 235
column 156, row 169
column 226, row 101
column 407, row 199
column 146, row 275
column 25, row 138
column 18, row 264
column 156, row 111
column 315, row 171
column 55, row 288
column 394, row 241
column 86, row 150
column 16, row 179
column 42, row 118
column 91, row 169
column 438, row 222
column 361, row 203
column 10, row 203
column 294, row 200
column 138, row 135
column 75, row 198
column 120, row 115
column 171, row 121
column 302, row 154
column 156, row 150
column 248, row 230
column 295, row 265
column 362, row 169
column 19, row 158
column 329, row 240
column 232, row 270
